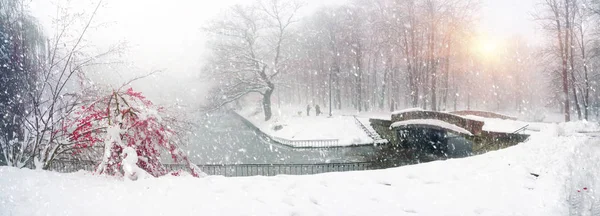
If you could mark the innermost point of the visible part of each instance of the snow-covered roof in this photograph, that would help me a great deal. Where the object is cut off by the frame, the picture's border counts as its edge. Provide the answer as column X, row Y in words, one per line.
column 397, row 112
column 432, row 122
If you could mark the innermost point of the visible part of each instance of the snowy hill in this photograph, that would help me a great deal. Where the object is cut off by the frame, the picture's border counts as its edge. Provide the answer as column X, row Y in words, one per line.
column 497, row 183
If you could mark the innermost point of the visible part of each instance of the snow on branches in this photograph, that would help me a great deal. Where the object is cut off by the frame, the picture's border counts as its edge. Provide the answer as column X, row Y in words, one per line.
column 122, row 120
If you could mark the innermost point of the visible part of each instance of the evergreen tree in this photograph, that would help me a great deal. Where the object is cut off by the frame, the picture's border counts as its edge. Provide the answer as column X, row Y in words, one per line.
column 22, row 47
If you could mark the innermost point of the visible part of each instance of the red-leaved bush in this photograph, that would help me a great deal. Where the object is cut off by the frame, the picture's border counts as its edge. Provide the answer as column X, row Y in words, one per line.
column 126, row 119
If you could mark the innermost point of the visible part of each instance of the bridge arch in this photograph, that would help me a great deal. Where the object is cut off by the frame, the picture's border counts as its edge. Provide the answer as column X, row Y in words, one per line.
column 473, row 126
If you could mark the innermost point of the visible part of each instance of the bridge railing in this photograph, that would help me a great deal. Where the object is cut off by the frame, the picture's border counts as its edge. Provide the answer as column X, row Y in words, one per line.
column 371, row 133
column 235, row 170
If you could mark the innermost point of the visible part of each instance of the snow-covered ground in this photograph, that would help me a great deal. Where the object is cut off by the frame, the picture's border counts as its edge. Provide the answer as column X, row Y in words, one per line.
column 342, row 127
column 509, row 126
column 496, row 183
column 297, row 127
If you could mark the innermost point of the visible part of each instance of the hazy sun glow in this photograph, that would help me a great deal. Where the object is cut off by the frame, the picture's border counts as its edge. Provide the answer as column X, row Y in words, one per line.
column 487, row 47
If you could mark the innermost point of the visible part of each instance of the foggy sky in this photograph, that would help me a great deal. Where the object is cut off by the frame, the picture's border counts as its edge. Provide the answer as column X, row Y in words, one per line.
column 167, row 35
column 505, row 18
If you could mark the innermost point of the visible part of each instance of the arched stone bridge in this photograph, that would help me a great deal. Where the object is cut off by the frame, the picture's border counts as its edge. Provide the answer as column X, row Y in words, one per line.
column 473, row 126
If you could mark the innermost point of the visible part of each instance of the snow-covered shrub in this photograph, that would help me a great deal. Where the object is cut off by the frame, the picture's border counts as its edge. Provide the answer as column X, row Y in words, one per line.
column 130, row 167
column 126, row 120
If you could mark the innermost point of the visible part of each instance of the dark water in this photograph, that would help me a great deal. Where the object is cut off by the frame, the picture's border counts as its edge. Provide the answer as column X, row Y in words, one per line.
column 225, row 139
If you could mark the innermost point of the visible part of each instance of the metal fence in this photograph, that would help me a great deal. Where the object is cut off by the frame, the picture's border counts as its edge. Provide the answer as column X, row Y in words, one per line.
column 236, row 170
column 325, row 143
column 72, row 166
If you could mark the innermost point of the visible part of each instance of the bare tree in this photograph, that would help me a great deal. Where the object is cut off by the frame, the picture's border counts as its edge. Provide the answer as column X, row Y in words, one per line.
column 551, row 17
column 56, row 92
column 583, row 44
column 248, row 55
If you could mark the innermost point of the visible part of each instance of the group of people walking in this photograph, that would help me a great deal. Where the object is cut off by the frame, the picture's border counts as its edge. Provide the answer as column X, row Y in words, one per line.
column 317, row 110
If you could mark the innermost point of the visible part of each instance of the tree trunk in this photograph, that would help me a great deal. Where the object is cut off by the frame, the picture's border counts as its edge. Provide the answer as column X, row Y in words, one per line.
column 359, row 96
column 565, row 81
column 336, row 87
column 266, row 102
column 574, row 89
column 392, row 91
column 586, row 91
column 569, row 49
column 425, row 84
column 455, row 104
column 433, row 63
column 384, row 83
column 446, row 75
column 373, row 84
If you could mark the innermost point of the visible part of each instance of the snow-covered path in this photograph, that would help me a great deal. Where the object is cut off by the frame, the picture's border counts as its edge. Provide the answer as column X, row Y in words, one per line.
column 497, row 183
column 583, row 187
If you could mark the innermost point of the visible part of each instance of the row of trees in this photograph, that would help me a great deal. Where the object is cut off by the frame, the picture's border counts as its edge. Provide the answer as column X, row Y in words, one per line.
column 50, row 110
column 384, row 54
column 572, row 53
column 366, row 55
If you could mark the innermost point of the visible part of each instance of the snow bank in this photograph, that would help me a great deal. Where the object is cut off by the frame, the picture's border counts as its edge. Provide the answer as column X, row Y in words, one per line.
column 496, row 183
column 508, row 126
column 581, row 127
column 432, row 122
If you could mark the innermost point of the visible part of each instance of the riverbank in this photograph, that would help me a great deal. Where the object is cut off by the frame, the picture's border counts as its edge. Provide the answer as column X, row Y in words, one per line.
column 295, row 129
column 553, row 173
column 224, row 138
